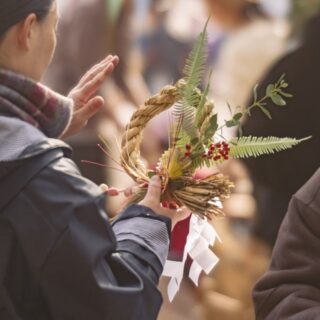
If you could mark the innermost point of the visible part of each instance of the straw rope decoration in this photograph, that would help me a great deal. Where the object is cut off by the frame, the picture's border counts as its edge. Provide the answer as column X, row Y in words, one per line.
column 130, row 155
column 196, row 140
column 197, row 195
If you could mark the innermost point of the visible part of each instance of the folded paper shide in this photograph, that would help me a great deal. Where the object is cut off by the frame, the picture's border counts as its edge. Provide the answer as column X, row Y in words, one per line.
column 196, row 140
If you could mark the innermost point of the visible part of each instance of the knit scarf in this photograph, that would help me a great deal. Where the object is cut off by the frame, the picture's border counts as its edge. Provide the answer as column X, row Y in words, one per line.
column 34, row 103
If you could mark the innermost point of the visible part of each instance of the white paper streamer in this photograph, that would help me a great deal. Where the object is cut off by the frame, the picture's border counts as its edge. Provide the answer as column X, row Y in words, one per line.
column 201, row 236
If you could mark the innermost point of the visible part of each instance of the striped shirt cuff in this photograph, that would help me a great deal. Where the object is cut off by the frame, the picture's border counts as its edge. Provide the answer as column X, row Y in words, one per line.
column 151, row 234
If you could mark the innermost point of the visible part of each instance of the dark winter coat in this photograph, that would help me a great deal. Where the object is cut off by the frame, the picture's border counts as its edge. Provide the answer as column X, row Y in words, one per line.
column 291, row 287
column 277, row 177
column 60, row 258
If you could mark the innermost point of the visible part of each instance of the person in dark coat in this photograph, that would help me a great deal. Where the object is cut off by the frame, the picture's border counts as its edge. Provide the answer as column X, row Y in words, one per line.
column 59, row 256
column 291, row 287
column 277, row 177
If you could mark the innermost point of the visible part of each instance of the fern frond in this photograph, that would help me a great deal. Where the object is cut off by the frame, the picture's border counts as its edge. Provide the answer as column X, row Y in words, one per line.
column 195, row 64
column 190, row 96
column 187, row 114
column 245, row 147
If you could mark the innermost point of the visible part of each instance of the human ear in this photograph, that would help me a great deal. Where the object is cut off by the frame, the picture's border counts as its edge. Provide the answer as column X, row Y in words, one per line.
column 26, row 31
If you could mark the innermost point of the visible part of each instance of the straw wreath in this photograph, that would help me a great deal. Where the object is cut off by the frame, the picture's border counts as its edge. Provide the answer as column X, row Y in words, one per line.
column 200, row 196
column 196, row 139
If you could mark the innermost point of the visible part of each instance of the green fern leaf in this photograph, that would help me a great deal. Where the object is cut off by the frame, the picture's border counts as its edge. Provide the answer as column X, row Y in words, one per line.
column 195, row 64
column 245, row 147
column 193, row 72
column 187, row 114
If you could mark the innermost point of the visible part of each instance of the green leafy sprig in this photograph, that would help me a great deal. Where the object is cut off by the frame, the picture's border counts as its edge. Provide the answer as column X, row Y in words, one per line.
column 198, row 138
column 274, row 92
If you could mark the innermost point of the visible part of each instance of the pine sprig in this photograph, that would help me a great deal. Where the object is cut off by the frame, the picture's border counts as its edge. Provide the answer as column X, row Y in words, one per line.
column 245, row 147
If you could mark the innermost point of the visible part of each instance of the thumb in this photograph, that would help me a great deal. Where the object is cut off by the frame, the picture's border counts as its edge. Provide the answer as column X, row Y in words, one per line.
column 154, row 191
column 92, row 106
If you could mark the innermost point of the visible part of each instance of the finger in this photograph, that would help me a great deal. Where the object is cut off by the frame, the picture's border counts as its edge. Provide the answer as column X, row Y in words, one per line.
column 128, row 192
column 89, row 109
column 94, row 104
column 94, row 70
column 104, row 187
column 109, row 191
column 97, row 69
column 154, row 191
column 115, row 60
column 93, row 85
column 113, row 192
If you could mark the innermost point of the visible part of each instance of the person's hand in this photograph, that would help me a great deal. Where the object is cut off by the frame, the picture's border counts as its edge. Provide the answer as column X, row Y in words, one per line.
column 86, row 104
column 152, row 201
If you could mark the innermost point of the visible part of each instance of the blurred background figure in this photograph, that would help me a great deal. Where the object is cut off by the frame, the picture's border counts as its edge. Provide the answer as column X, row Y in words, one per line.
column 250, row 42
column 246, row 38
column 167, row 38
column 278, row 177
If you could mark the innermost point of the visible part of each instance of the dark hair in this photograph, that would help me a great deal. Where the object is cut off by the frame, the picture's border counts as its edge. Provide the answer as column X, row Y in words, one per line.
column 14, row 11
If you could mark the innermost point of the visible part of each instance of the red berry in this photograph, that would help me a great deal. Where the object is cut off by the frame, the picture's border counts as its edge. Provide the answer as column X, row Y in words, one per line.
column 187, row 154
column 216, row 158
column 218, row 145
column 188, row 146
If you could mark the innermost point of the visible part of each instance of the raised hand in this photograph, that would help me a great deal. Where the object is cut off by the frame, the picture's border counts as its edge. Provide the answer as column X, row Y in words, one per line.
column 152, row 200
column 86, row 103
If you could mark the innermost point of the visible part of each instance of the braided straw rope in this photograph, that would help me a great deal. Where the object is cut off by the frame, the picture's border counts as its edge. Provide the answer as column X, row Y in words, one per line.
column 130, row 145
column 197, row 195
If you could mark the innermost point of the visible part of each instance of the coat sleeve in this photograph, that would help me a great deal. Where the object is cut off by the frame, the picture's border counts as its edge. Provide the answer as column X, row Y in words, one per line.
column 92, row 272
column 78, row 265
column 88, row 275
column 291, row 287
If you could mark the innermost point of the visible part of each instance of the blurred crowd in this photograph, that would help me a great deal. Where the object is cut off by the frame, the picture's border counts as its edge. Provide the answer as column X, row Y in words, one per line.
column 249, row 42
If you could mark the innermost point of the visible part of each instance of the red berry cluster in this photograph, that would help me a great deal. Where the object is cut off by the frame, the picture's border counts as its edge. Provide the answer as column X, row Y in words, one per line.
column 217, row 151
